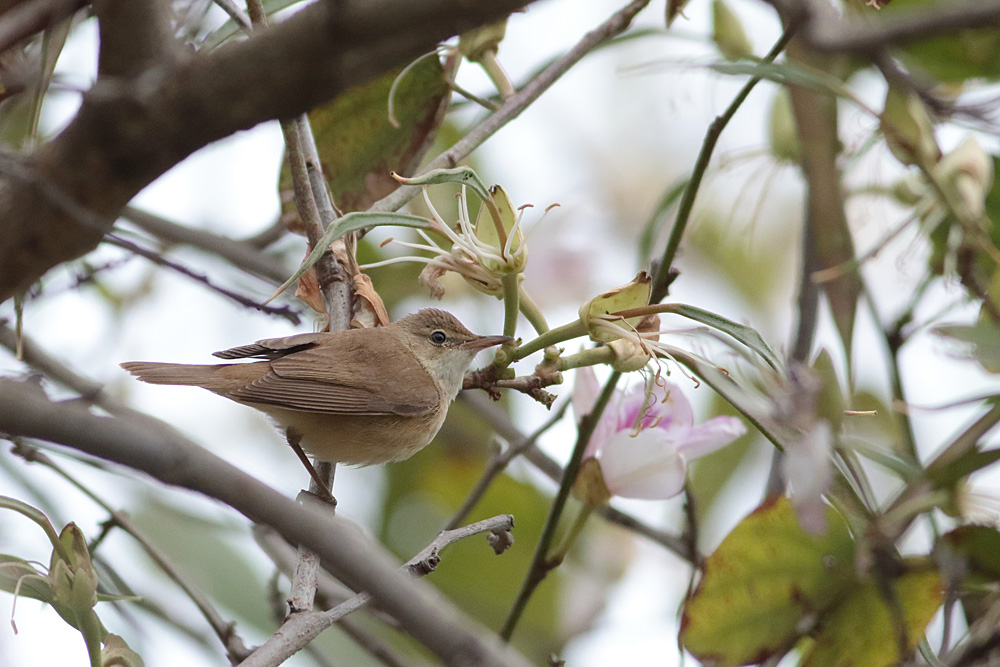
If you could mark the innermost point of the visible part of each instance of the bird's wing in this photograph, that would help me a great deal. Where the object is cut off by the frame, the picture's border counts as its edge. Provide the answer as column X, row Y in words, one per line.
column 357, row 376
column 272, row 348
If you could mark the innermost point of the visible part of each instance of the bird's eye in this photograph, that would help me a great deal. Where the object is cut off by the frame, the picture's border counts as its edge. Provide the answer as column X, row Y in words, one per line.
column 438, row 337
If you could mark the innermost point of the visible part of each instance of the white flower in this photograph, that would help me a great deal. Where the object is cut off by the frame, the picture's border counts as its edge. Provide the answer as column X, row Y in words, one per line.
column 644, row 440
column 480, row 253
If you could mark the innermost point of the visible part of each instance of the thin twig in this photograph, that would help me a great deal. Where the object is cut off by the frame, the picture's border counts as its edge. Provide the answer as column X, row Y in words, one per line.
column 236, row 14
column 616, row 24
column 245, row 254
column 316, row 210
column 286, row 312
column 305, row 627
column 224, row 630
column 541, row 564
column 531, row 385
column 662, row 278
column 499, row 462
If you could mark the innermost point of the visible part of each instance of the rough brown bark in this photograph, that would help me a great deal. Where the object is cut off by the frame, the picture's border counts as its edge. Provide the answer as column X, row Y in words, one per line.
column 57, row 204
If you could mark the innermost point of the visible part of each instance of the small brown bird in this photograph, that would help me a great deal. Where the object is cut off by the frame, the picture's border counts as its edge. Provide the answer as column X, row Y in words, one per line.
column 360, row 396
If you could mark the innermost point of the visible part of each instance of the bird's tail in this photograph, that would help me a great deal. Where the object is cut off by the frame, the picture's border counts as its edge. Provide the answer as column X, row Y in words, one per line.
column 186, row 374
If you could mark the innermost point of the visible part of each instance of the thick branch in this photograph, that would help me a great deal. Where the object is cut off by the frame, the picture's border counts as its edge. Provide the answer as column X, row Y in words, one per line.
column 891, row 28
column 129, row 132
column 152, row 447
column 23, row 19
column 134, row 35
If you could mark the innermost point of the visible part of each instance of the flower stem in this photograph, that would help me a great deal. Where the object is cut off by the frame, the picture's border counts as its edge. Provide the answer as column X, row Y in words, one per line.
column 557, row 335
column 541, row 563
column 569, row 539
column 511, row 299
column 533, row 313
column 591, row 357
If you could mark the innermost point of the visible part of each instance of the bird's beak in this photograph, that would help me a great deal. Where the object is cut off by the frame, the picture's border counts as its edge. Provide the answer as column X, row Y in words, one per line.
column 484, row 342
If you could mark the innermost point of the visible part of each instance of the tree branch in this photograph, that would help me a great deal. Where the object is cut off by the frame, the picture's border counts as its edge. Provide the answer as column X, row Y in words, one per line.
column 23, row 19
column 134, row 36
column 301, row 629
column 154, row 448
column 833, row 35
column 130, row 131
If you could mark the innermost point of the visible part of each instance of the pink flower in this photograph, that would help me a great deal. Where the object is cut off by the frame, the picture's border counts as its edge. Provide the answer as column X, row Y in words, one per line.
column 644, row 441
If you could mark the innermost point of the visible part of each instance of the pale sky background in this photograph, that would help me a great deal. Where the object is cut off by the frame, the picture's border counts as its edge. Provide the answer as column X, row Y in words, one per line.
column 641, row 126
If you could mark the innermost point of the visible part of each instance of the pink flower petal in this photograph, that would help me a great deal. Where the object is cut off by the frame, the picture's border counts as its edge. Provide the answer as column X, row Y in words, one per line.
column 706, row 438
column 644, row 466
column 585, row 391
column 671, row 408
column 665, row 407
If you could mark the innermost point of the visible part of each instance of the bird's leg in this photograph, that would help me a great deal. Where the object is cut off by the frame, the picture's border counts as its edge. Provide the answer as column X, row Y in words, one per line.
column 294, row 439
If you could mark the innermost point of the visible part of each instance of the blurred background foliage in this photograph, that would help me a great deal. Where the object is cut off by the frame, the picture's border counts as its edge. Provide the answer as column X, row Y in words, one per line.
column 613, row 143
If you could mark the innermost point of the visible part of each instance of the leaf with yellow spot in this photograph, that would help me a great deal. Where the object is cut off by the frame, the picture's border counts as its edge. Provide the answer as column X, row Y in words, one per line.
column 861, row 631
column 765, row 585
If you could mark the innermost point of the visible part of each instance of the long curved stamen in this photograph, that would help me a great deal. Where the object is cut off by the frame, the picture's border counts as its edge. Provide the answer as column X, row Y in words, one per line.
column 513, row 233
column 429, row 240
column 398, row 260
column 427, row 200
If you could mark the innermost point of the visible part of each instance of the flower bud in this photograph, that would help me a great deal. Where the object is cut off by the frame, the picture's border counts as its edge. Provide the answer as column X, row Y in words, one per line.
column 589, row 487
column 484, row 39
column 782, row 134
column 513, row 256
column 596, row 313
column 728, row 33
column 908, row 130
column 968, row 170
column 630, row 355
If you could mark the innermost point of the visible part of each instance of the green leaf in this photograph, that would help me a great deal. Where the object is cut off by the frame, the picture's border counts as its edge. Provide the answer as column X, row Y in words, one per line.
column 860, row 632
column 759, row 588
column 360, row 144
column 954, row 470
column 231, row 28
column 789, row 75
column 460, row 175
column 981, row 547
column 782, row 139
column 953, row 58
column 33, row 584
column 908, row 129
column 351, row 222
column 728, row 33
column 830, row 403
column 741, row 333
column 983, row 339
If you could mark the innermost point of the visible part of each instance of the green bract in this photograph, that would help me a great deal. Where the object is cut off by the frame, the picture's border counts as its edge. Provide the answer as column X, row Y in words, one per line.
column 597, row 314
